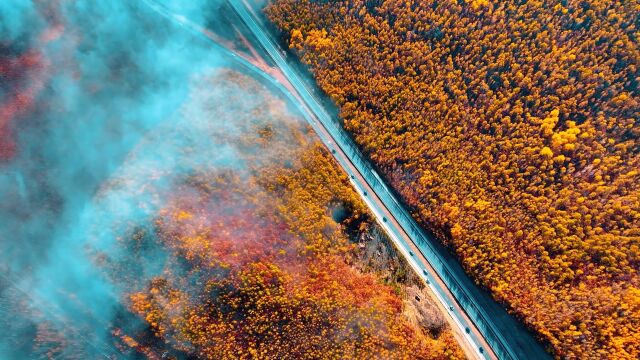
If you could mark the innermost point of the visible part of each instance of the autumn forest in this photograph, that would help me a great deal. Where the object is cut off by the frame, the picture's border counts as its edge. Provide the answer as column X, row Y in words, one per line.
column 284, row 284
column 511, row 129
column 314, row 179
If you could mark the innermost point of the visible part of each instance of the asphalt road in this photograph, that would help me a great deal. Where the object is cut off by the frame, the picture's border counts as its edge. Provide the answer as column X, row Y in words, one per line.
column 484, row 329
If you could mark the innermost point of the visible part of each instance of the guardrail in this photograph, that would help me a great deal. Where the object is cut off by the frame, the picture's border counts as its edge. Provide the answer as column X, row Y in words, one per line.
column 424, row 242
column 464, row 291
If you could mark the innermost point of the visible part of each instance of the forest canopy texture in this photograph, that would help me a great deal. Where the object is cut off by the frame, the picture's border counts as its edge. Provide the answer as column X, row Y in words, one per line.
column 510, row 128
column 262, row 264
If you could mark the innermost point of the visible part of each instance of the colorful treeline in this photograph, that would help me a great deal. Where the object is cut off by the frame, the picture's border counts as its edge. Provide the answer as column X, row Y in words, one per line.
column 511, row 129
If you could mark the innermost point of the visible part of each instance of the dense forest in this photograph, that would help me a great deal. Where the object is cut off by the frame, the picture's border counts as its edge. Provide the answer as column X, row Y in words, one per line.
column 158, row 202
column 510, row 129
column 263, row 262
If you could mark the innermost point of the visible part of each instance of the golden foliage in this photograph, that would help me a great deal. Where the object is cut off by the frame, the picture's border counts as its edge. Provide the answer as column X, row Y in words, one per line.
column 264, row 266
column 511, row 129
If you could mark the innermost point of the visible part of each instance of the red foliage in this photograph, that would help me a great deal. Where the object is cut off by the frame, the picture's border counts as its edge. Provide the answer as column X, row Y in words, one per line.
column 24, row 75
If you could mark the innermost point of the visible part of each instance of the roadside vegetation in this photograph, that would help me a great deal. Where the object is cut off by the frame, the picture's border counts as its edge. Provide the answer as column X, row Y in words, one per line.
column 280, row 261
column 511, row 129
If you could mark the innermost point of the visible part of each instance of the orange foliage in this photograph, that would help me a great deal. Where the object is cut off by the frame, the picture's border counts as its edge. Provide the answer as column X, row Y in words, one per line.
column 262, row 268
column 511, row 129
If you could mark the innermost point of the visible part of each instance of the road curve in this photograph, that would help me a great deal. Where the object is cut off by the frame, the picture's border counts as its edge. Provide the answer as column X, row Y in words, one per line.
column 486, row 327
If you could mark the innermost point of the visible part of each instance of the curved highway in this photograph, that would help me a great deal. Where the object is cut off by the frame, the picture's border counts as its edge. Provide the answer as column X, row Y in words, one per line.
column 485, row 329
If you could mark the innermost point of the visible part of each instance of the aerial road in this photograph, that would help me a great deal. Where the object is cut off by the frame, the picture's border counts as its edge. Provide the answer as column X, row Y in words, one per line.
column 488, row 330
column 484, row 329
